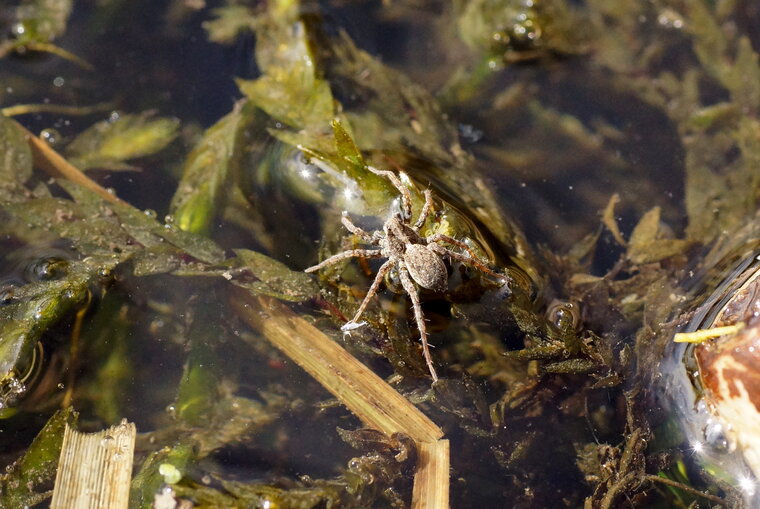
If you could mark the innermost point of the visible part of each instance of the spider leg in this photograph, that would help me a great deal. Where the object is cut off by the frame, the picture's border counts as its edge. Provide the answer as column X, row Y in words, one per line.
column 350, row 226
column 471, row 260
column 411, row 289
column 381, row 272
column 406, row 198
column 363, row 253
column 425, row 210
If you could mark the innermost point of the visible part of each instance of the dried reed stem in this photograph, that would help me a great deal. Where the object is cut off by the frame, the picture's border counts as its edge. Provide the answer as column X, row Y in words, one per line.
column 95, row 469
column 57, row 166
column 431, row 481
column 365, row 394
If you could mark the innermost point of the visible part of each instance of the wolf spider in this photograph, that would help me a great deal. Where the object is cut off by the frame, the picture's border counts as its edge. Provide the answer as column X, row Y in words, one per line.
column 417, row 259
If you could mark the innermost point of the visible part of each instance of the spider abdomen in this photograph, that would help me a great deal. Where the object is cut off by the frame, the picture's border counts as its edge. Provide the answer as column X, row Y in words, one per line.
column 426, row 267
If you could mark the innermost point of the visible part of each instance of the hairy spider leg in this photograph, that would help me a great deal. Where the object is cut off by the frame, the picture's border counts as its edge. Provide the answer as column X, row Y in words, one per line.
column 425, row 211
column 406, row 198
column 411, row 289
column 362, row 253
column 472, row 259
column 381, row 272
column 350, row 226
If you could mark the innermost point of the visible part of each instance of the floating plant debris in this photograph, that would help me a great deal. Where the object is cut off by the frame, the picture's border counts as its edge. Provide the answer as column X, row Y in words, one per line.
column 593, row 164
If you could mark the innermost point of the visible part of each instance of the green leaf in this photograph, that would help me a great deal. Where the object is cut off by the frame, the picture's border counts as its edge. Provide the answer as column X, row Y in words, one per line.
column 709, row 42
column 228, row 22
column 15, row 155
column 42, row 20
column 37, row 467
column 198, row 390
column 275, row 278
column 109, row 143
column 292, row 96
column 347, row 149
column 721, row 115
column 290, row 90
column 647, row 243
column 744, row 79
column 206, row 171
column 149, row 480
column 120, row 224
column 36, row 306
column 109, row 344
column 647, row 229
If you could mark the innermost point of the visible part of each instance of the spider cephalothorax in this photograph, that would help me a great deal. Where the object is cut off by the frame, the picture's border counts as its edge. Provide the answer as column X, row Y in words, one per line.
column 417, row 259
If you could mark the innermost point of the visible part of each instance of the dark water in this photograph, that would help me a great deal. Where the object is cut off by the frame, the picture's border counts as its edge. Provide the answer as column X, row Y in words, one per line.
column 553, row 134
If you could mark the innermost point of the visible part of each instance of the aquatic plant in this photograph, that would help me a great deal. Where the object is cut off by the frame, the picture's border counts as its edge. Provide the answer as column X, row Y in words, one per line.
column 601, row 156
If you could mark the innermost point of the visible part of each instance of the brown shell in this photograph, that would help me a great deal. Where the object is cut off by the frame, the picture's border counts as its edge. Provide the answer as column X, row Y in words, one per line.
column 730, row 369
column 426, row 267
column 730, row 365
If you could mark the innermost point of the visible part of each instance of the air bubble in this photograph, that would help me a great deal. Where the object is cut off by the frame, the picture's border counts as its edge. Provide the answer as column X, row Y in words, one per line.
column 45, row 269
column 17, row 29
column 716, row 436
column 50, row 136
column 564, row 315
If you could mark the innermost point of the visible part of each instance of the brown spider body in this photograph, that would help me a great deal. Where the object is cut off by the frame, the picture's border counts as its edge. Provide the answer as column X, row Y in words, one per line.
column 409, row 250
column 418, row 259
column 426, row 267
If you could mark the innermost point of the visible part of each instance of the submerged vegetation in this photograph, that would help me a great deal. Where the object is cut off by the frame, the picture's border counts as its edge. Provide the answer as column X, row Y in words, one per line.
column 599, row 156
